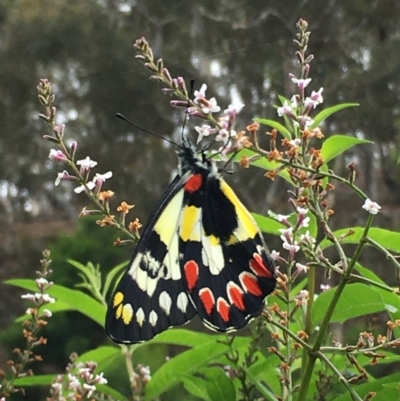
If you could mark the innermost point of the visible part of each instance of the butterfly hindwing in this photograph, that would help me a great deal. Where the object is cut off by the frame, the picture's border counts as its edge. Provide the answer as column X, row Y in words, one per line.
column 151, row 295
column 225, row 262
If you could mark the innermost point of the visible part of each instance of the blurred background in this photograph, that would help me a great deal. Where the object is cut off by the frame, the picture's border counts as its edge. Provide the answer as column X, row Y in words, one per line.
column 241, row 49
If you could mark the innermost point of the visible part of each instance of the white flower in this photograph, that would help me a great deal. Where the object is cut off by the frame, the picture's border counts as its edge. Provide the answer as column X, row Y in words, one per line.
column 286, row 234
column 41, row 282
column 47, row 313
column 61, row 176
column 295, row 142
column 314, row 100
column 73, row 382
column 45, row 298
column 285, row 109
column 210, row 106
column 82, row 188
column 275, row 255
column 203, row 131
column 281, row 217
column 90, row 388
column 30, row 297
column 87, row 163
column 102, row 177
column 223, row 136
column 307, row 238
column 234, row 109
column 301, row 83
column 325, row 287
column 292, row 248
column 100, row 379
column 201, row 94
column 303, row 294
column 371, row 207
column 302, row 268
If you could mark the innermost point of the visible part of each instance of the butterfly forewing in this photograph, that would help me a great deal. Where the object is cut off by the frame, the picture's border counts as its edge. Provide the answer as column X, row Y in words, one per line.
column 151, row 296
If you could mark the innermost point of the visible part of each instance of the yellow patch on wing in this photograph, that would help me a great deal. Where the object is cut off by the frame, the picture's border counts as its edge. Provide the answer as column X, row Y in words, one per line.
column 190, row 220
column 247, row 227
column 118, row 298
column 167, row 223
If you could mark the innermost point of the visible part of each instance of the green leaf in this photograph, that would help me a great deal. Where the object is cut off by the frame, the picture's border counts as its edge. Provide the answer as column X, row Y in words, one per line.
column 39, row 380
column 324, row 114
column 219, row 387
column 67, row 299
column 355, row 300
column 265, row 371
column 195, row 385
column 267, row 224
column 273, row 124
column 337, row 144
column 119, row 269
column 188, row 362
column 386, row 238
column 116, row 395
column 104, row 356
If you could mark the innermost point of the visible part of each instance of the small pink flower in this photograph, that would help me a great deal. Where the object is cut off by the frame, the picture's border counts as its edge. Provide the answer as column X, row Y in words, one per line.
column 302, row 268
column 301, row 83
column 61, row 176
column 275, row 255
column 285, row 109
column 57, row 155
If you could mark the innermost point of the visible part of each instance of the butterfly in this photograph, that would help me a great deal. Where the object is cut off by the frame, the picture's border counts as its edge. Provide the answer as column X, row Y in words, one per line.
column 201, row 252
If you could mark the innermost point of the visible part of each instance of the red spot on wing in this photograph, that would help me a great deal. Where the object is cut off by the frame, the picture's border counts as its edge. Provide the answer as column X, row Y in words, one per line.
column 223, row 309
column 258, row 266
column 250, row 284
column 235, row 295
column 191, row 273
column 207, row 299
column 193, row 183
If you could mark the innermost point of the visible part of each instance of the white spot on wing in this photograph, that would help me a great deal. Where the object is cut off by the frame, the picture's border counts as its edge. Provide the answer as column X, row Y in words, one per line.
column 140, row 317
column 171, row 260
column 182, row 302
column 127, row 313
column 212, row 255
column 153, row 317
column 165, row 302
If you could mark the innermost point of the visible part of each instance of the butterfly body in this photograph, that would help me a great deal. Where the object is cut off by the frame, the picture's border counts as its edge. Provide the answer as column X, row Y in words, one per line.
column 201, row 252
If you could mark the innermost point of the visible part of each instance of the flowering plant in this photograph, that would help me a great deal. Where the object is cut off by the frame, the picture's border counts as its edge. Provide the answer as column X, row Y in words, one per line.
column 305, row 360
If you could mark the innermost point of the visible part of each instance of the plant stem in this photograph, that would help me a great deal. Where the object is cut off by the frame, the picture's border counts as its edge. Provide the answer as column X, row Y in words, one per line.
column 307, row 374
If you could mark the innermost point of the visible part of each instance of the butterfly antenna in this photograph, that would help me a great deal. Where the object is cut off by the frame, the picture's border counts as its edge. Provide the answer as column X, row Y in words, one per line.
column 122, row 117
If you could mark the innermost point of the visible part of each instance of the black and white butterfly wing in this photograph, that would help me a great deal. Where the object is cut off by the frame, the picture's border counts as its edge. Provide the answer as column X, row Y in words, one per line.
column 151, row 295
